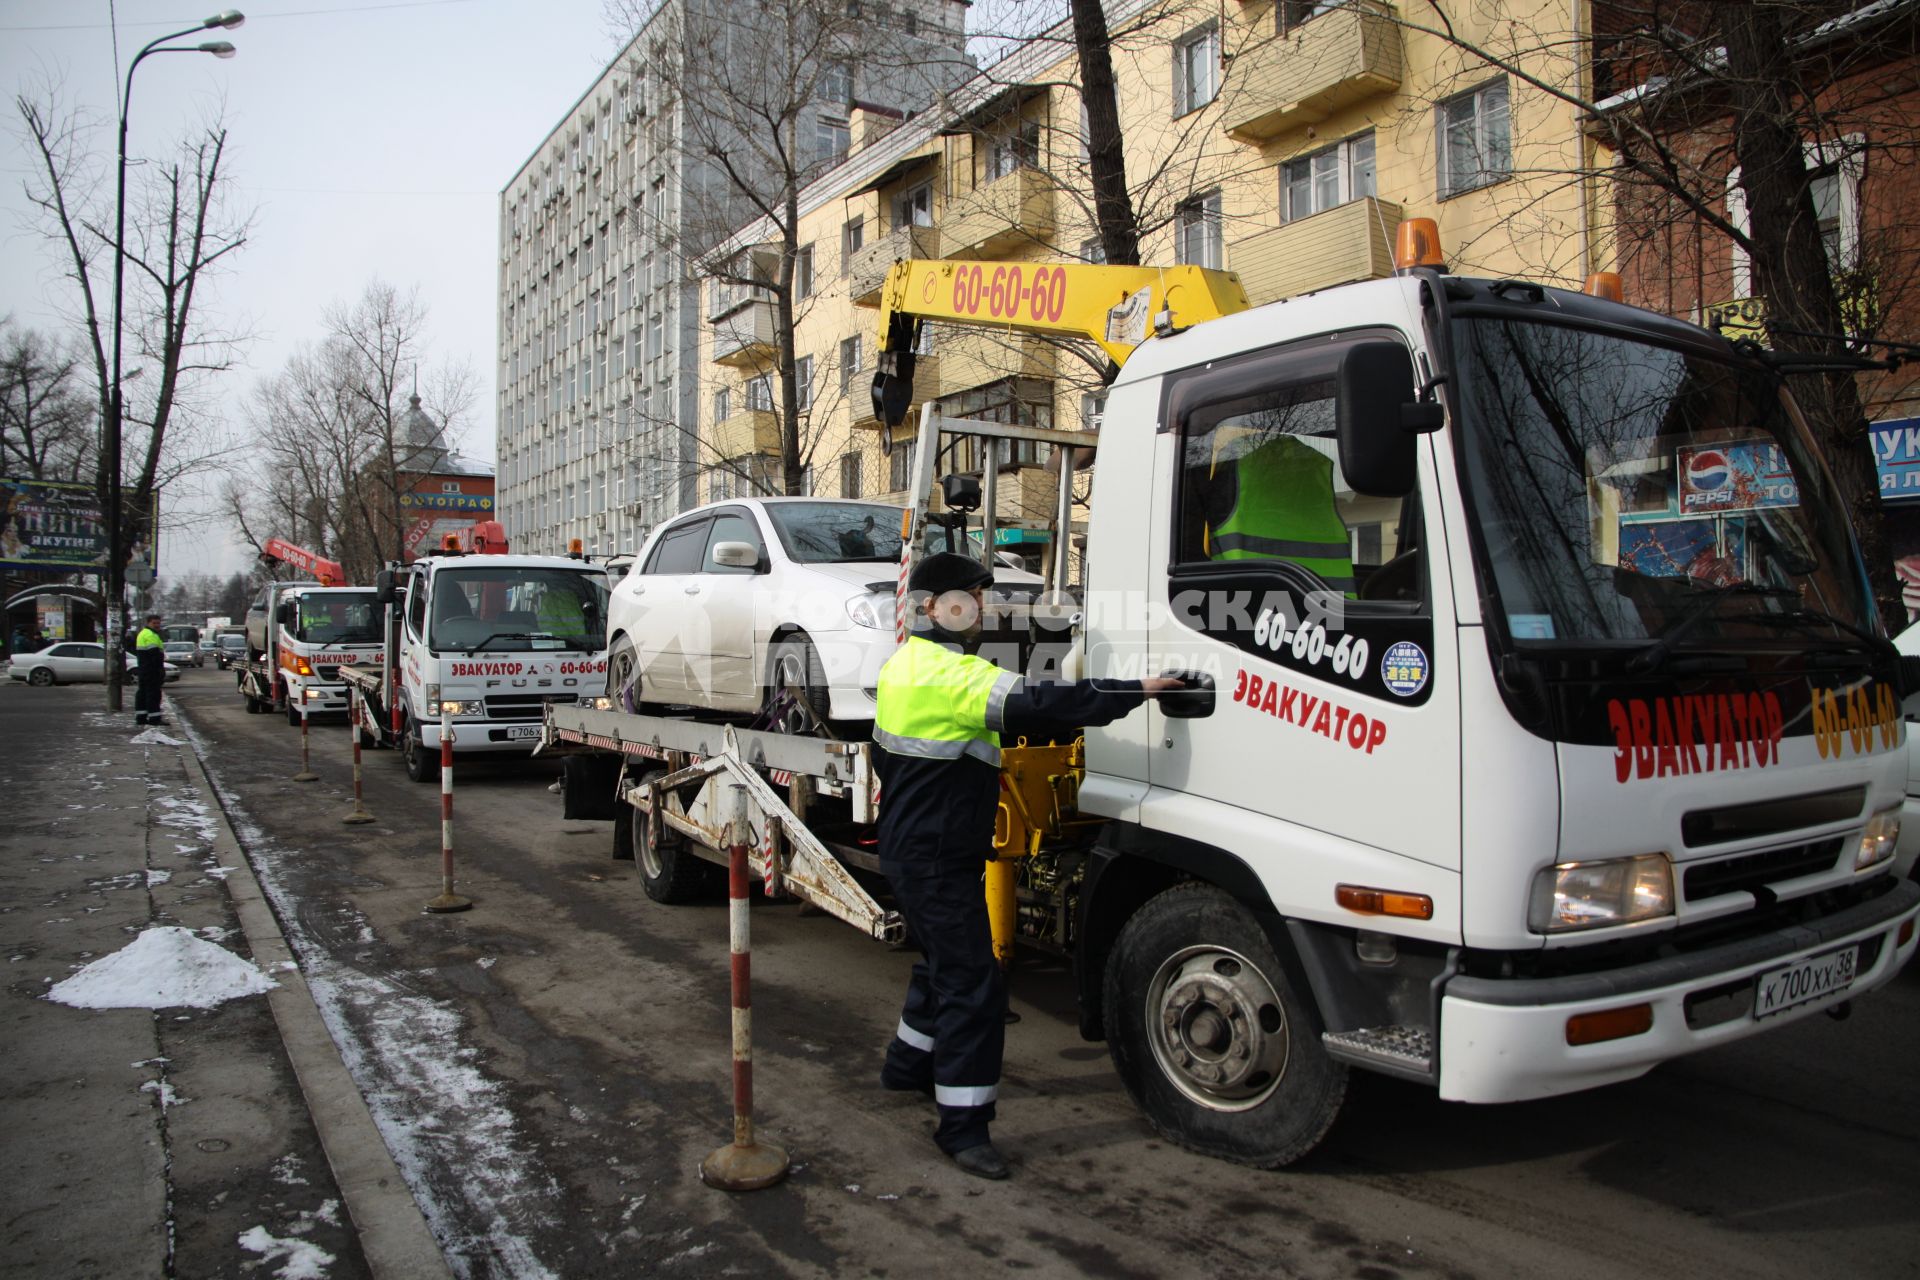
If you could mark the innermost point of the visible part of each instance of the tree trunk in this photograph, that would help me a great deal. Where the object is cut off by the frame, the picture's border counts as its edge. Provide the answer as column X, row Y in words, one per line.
column 1106, row 158
column 1791, row 271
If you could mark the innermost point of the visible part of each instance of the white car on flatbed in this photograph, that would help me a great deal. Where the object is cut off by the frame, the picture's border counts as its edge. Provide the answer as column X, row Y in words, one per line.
column 741, row 597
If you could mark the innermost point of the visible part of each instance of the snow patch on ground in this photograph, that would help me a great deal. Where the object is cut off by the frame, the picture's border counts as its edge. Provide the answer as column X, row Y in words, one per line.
column 164, row 968
column 447, row 1124
column 188, row 815
column 155, row 738
column 155, row 877
column 163, row 1090
column 301, row 1259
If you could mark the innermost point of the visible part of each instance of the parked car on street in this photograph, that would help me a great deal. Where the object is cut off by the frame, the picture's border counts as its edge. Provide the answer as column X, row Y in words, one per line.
column 184, row 653
column 745, row 596
column 70, row 662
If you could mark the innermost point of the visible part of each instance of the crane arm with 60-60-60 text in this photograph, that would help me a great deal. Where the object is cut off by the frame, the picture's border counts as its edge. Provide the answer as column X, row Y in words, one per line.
column 327, row 573
column 1116, row 307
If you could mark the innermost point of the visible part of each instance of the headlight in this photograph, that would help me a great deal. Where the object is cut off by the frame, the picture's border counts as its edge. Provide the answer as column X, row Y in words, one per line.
column 1877, row 839
column 456, row 708
column 601, row 703
column 872, row 610
column 1591, row 895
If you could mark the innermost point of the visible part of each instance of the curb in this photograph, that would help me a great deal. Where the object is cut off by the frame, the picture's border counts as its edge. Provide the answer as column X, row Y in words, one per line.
column 393, row 1233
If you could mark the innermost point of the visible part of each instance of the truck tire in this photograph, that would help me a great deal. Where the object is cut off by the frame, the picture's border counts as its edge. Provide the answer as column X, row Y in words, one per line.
column 793, row 667
column 1205, row 1028
column 670, row 871
column 293, row 711
column 422, row 765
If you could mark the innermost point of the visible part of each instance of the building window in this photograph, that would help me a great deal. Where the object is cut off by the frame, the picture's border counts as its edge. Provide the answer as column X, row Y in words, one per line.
column 803, row 382
column 900, row 466
column 849, row 361
column 1197, row 232
column 835, row 85
column 1196, row 70
column 1475, row 146
column 1016, row 147
column 1093, row 251
column 803, row 272
column 619, row 357
column 723, row 404
column 853, row 236
column 1327, row 178
column 760, row 394
column 914, row 208
column 831, row 138
column 626, row 290
column 1836, row 169
column 849, row 475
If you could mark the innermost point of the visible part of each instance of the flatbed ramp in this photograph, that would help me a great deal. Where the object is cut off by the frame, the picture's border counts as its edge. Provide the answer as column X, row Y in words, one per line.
column 691, row 791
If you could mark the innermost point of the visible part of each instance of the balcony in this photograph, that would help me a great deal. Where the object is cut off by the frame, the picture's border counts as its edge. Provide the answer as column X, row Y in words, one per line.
column 1005, row 215
column 974, row 357
column 868, row 269
column 1351, row 242
column 745, row 432
column 744, row 337
column 1323, row 65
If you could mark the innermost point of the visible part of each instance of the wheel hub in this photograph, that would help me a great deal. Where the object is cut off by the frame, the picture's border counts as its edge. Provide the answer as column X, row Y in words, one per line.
column 1217, row 1028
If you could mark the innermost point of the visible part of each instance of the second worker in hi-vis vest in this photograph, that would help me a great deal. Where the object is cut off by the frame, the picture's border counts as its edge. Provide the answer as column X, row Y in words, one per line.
column 937, row 722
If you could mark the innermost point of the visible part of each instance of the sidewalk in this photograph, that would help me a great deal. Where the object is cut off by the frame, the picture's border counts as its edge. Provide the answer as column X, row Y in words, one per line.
column 174, row 1141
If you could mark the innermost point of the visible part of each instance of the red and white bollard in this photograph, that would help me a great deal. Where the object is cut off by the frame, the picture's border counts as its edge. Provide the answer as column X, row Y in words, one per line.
column 306, row 773
column 448, row 899
column 743, row 1164
column 359, row 814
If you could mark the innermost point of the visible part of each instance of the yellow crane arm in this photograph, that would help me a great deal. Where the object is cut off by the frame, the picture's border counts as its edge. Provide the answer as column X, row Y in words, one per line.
column 1116, row 307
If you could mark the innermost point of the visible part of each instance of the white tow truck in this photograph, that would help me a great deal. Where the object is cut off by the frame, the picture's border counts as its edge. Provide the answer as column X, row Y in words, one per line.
column 1546, row 729
column 312, row 633
column 484, row 637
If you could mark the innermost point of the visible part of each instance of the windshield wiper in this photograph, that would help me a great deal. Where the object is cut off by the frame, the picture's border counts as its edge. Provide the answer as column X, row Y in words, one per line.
column 504, row 635
column 1808, row 615
column 1655, row 655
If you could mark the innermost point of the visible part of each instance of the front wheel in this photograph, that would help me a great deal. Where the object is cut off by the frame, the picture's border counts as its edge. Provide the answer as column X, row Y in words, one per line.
column 670, row 871
column 293, row 710
column 422, row 765
column 797, row 699
column 40, row 677
column 1211, row 1039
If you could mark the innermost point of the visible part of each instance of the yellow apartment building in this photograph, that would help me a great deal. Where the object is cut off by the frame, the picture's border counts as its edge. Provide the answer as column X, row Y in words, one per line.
column 1281, row 141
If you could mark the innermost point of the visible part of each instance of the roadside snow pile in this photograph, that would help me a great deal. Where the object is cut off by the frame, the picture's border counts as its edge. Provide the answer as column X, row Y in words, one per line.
column 164, row 968
column 305, row 1260
column 155, row 738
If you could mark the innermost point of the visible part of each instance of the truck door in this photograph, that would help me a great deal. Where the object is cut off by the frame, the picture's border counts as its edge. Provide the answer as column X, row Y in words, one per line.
column 1333, row 746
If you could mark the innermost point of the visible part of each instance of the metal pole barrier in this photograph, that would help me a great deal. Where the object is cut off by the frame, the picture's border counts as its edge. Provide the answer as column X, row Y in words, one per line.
column 359, row 814
column 448, row 899
column 743, row 1164
column 306, row 773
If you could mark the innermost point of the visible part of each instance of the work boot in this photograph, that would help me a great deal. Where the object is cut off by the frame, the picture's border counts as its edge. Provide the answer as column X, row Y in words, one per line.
column 894, row 1085
column 141, row 718
column 983, row 1161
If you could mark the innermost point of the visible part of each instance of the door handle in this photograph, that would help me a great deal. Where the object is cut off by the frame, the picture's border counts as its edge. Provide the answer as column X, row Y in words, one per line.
column 1191, row 703
column 693, row 590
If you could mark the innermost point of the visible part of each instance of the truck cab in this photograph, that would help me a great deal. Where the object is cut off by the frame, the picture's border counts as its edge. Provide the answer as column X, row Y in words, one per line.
column 485, row 641
column 317, row 631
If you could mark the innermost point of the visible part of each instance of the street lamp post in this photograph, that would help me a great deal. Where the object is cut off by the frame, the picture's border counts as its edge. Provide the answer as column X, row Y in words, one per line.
column 110, row 443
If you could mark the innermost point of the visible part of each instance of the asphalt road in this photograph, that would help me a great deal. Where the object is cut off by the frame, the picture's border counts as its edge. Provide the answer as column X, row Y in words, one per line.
column 551, row 1066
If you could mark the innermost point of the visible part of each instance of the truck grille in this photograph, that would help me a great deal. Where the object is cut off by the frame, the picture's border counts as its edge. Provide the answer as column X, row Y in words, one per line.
column 1757, row 870
column 523, row 706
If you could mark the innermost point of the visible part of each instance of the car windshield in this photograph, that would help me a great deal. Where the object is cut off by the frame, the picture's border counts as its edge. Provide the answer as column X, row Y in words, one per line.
column 336, row 617
column 519, row 609
column 830, row 532
column 233, row 642
column 1628, row 494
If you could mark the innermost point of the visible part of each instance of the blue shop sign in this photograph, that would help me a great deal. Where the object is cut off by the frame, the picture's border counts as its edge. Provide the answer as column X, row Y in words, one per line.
column 1896, row 451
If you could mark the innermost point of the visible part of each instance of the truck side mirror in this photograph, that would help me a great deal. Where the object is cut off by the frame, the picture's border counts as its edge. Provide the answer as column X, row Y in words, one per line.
column 1378, row 414
column 383, row 589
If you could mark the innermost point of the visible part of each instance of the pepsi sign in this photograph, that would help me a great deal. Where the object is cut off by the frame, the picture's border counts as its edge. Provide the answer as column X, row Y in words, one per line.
column 1738, row 476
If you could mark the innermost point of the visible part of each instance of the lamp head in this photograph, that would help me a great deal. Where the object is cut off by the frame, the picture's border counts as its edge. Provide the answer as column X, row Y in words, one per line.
column 228, row 18
column 218, row 48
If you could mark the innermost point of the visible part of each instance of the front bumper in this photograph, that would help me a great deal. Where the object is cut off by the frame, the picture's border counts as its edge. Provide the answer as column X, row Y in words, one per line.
column 1504, row 1040
column 474, row 736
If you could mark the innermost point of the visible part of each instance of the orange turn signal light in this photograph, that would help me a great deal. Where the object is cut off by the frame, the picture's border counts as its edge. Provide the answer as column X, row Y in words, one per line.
column 1610, row 1024
column 1384, row 902
column 906, row 523
column 1417, row 244
column 1605, row 284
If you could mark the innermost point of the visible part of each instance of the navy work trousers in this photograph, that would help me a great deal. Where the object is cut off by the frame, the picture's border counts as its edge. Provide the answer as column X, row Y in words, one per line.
column 953, row 1027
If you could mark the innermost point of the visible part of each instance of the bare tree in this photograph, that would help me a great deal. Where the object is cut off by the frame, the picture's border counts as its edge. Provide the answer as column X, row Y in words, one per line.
column 46, row 419
column 179, row 232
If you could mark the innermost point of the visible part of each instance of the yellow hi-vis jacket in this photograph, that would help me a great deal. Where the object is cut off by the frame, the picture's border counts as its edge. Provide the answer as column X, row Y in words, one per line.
column 936, row 704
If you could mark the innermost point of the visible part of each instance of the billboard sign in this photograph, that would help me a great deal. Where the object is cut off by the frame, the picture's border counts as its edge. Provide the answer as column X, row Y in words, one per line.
column 45, row 524
column 1896, row 452
column 1742, row 475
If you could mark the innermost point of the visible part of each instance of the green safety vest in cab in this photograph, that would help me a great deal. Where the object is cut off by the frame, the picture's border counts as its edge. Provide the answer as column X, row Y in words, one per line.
column 936, row 704
column 561, row 614
column 1283, row 509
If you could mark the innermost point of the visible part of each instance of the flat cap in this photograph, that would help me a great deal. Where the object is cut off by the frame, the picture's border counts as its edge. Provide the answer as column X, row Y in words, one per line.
column 948, row 572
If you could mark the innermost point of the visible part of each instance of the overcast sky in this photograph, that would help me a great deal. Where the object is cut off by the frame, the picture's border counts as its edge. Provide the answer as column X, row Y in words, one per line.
column 371, row 139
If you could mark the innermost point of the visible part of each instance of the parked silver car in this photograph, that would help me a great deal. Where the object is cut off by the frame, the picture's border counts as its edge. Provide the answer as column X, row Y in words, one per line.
column 70, row 662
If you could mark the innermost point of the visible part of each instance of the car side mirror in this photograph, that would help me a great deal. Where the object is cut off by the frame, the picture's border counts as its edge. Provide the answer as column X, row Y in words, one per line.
column 1378, row 413
column 736, row 555
column 383, row 587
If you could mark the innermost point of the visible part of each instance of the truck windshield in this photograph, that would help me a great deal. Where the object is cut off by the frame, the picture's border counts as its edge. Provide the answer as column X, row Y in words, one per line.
column 343, row 617
column 826, row 532
column 519, row 609
column 1632, row 495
